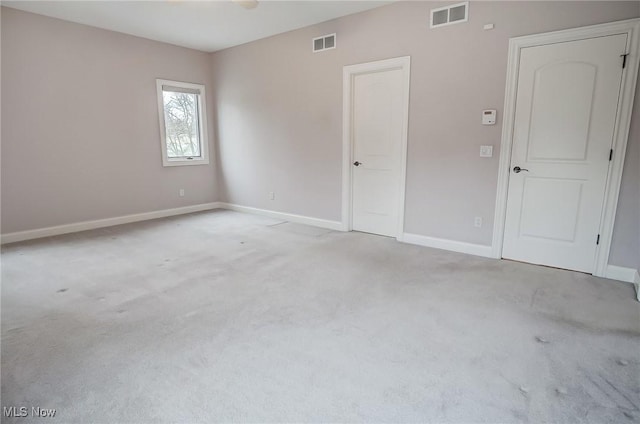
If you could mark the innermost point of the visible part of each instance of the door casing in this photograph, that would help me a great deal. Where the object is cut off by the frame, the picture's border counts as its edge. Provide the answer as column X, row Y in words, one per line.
column 630, row 27
column 348, row 75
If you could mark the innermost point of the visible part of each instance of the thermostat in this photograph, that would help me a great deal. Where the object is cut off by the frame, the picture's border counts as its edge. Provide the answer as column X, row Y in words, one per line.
column 489, row 117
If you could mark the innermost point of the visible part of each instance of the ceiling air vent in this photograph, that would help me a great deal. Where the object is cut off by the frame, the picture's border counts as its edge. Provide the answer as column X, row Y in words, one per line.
column 326, row 42
column 449, row 15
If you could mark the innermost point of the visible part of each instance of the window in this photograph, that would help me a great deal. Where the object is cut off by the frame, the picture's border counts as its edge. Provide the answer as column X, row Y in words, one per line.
column 183, row 127
column 452, row 14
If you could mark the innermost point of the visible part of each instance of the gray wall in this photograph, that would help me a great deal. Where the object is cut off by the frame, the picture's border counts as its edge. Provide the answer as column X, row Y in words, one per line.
column 80, row 133
column 625, row 249
column 279, row 113
column 80, row 139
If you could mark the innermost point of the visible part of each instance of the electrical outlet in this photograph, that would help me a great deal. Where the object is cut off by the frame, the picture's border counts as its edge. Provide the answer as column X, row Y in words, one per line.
column 181, row 192
column 477, row 222
column 272, row 195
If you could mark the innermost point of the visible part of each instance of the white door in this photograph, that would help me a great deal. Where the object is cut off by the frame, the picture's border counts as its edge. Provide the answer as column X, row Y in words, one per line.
column 377, row 138
column 567, row 96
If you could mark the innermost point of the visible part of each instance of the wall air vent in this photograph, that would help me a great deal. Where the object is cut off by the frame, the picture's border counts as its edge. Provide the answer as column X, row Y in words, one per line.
column 326, row 42
column 449, row 15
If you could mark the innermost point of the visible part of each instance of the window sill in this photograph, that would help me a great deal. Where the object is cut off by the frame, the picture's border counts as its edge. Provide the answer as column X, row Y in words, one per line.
column 184, row 162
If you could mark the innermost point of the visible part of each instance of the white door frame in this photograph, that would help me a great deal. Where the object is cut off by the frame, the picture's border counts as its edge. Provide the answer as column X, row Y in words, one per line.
column 348, row 75
column 630, row 27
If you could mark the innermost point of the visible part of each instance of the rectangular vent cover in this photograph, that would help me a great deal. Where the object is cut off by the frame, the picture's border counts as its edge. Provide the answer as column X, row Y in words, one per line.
column 449, row 15
column 326, row 42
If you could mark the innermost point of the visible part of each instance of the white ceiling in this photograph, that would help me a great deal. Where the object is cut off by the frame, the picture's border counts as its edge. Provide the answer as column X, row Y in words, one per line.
column 202, row 25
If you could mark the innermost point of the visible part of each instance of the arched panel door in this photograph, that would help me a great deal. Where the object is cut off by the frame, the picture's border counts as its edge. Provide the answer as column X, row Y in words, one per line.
column 566, row 107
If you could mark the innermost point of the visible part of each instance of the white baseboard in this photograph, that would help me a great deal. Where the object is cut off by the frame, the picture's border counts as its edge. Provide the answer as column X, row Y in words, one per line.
column 101, row 223
column 628, row 275
column 444, row 244
column 621, row 273
column 613, row 272
column 300, row 219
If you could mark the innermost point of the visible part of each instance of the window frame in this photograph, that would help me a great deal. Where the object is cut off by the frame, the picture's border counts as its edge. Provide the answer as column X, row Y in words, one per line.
column 203, row 159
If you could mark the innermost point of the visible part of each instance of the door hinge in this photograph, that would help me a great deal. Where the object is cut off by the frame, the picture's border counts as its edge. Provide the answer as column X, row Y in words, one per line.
column 624, row 60
column 610, row 154
column 598, row 239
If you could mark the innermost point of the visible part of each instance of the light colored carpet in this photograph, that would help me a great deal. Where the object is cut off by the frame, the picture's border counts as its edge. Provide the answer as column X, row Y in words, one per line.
column 222, row 316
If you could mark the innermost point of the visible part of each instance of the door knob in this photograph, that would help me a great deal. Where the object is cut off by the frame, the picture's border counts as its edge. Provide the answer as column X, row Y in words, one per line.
column 517, row 169
column 356, row 163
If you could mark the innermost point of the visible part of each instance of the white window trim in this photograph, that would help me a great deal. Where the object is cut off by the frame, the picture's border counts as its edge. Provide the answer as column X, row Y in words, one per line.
column 451, row 6
column 203, row 159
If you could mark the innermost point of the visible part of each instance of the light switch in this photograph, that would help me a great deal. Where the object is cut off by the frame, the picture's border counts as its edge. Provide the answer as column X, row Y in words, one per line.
column 486, row 151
